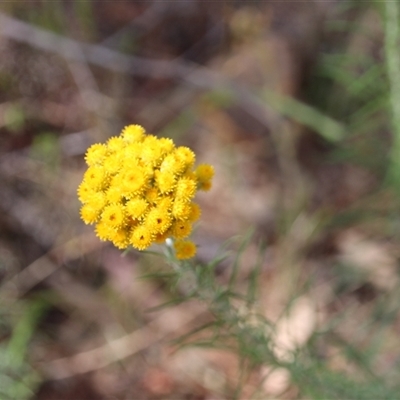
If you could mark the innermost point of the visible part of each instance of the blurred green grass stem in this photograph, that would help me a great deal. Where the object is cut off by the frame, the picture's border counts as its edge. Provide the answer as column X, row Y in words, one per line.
column 393, row 70
column 322, row 124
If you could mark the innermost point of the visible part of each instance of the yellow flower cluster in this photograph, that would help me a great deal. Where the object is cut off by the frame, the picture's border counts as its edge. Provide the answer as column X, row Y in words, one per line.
column 139, row 189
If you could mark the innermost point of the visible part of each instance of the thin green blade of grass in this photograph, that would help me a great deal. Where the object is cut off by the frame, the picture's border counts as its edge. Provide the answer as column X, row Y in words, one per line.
column 183, row 340
column 364, row 113
column 211, row 345
column 392, row 36
column 317, row 382
column 23, row 331
column 217, row 260
column 166, row 304
column 254, row 275
column 325, row 126
column 368, row 82
column 354, row 355
column 18, row 379
column 235, row 268
column 342, row 72
column 337, row 73
column 157, row 275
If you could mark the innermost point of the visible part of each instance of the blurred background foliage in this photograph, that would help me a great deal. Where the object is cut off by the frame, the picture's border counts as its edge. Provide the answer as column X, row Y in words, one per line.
column 294, row 103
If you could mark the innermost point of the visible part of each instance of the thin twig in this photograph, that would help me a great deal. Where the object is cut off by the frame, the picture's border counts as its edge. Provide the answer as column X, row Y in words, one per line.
column 48, row 264
column 145, row 22
column 198, row 76
column 126, row 346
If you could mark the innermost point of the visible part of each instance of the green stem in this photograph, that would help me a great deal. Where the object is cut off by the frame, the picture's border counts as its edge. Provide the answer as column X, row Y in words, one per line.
column 393, row 71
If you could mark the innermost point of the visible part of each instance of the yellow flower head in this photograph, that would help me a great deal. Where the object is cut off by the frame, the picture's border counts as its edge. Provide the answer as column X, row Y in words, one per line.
column 85, row 192
column 166, row 145
column 98, row 201
column 113, row 215
column 165, row 181
column 195, row 212
column 120, row 238
column 133, row 180
column 172, row 164
column 165, row 203
column 136, row 207
column 115, row 144
column 95, row 177
column 95, row 154
column 185, row 156
column 104, row 231
column 162, row 237
column 138, row 190
column 158, row 221
column 186, row 189
column 89, row 214
column 181, row 209
column 114, row 194
column 112, row 163
column 206, row 186
column 205, row 173
column 184, row 249
column 181, row 229
column 141, row 238
column 133, row 133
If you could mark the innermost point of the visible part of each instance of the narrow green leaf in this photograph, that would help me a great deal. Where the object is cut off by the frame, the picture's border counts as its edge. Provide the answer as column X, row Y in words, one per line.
column 327, row 127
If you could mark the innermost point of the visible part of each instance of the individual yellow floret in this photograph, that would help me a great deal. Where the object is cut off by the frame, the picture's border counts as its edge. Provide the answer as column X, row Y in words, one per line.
column 166, row 145
column 85, row 192
column 133, row 133
column 136, row 207
column 204, row 172
column 185, row 189
column 115, row 144
column 112, row 163
column 205, row 186
column 184, row 249
column 195, row 212
column 185, row 156
column 141, row 238
column 150, row 141
column 162, row 237
column 98, row 201
column 181, row 209
column 89, row 214
column 152, row 153
column 132, row 153
column 113, row 215
column 165, row 181
column 181, row 229
column 158, row 221
column 95, row 154
column 172, row 164
column 114, row 194
column 95, row 177
column 165, row 203
column 120, row 237
column 134, row 180
column 104, row 231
